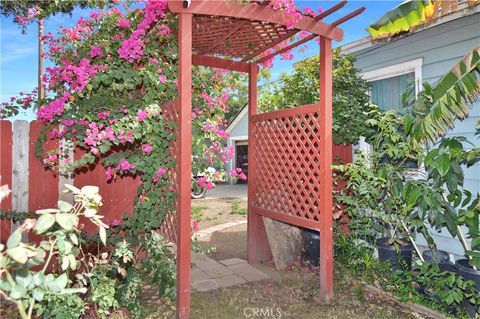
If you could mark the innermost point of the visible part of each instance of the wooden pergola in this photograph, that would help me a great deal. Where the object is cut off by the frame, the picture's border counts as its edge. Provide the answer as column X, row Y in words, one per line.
column 290, row 156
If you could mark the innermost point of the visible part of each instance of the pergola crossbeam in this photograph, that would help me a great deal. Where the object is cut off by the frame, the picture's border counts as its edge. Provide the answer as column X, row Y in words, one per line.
column 333, row 9
column 219, row 63
column 312, row 36
column 347, row 17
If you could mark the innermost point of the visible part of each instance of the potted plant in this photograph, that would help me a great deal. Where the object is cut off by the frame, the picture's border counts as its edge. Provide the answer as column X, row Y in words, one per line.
column 392, row 158
column 375, row 199
column 441, row 200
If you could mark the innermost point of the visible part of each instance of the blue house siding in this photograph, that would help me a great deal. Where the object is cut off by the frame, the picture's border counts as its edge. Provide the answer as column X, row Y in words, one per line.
column 241, row 129
column 440, row 48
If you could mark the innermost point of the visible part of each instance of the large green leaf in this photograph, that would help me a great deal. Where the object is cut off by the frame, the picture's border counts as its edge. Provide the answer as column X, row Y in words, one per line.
column 437, row 108
column 66, row 220
column 14, row 239
column 44, row 223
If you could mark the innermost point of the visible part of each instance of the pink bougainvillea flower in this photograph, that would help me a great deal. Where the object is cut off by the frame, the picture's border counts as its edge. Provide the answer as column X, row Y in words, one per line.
column 109, row 173
column 67, row 122
column 110, row 133
column 162, row 79
column 125, row 165
column 207, row 127
column 115, row 223
column 195, row 225
column 96, row 51
column 141, row 115
column 125, row 137
column 163, row 30
column 55, row 108
column 124, row 23
column 160, row 172
column 147, row 148
column 204, row 182
column 222, row 133
column 103, row 115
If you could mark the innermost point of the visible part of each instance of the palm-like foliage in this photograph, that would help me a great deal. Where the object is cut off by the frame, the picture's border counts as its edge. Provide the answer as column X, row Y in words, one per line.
column 437, row 107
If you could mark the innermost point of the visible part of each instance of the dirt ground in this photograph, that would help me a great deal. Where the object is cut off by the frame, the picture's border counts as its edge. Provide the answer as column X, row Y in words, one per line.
column 214, row 211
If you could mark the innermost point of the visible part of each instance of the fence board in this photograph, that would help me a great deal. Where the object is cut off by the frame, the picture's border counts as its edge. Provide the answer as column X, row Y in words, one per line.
column 42, row 183
column 118, row 196
column 5, row 174
column 342, row 153
column 20, row 171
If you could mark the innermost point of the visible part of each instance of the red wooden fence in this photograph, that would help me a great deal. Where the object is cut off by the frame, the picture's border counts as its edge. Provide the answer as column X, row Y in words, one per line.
column 43, row 184
column 44, row 188
column 5, row 173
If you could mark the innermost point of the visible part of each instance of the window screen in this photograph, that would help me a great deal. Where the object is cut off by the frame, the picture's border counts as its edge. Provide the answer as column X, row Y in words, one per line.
column 387, row 93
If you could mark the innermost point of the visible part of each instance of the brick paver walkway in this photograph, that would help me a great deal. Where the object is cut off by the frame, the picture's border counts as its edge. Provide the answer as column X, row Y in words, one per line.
column 208, row 274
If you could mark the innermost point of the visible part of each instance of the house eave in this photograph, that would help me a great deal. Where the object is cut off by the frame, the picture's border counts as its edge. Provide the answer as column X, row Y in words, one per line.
column 364, row 43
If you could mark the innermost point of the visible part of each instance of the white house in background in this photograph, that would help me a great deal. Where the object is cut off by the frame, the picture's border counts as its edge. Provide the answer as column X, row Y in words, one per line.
column 424, row 55
column 238, row 130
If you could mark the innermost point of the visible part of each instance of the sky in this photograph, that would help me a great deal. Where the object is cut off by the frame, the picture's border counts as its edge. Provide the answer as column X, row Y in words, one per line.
column 18, row 52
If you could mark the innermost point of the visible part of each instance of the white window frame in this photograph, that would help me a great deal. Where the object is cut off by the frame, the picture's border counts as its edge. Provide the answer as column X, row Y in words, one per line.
column 396, row 70
column 391, row 71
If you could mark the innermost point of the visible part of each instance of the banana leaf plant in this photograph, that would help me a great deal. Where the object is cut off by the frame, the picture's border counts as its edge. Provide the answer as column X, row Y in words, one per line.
column 437, row 107
column 441, row 198
column 411, row 14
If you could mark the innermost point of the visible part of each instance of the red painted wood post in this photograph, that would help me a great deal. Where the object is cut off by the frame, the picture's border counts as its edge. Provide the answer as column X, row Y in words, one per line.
column 6, row 136
column 184, row 163
column 326, row 231
column 258, row 249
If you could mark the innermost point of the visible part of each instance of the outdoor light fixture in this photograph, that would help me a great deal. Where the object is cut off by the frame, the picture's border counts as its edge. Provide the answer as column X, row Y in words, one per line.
column 186, row 3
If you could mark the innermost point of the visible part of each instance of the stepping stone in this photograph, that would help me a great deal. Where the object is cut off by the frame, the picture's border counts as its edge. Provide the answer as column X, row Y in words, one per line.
column 205, row 285
column 198, row 275
column 230, row 280
column 233, row 261
column 248, row 272
column 216, row 272
column 204, row 263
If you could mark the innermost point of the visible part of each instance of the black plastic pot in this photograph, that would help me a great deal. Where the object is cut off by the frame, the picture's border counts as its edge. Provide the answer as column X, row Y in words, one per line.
column 468, row 273
column 439, row 257
column 410, row 163
column 387, row 253
column 311, row 247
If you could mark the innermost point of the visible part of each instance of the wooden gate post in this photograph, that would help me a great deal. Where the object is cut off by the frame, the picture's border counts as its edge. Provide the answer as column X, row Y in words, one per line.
column 258, row 249
column 184, row 163
column 326, row 231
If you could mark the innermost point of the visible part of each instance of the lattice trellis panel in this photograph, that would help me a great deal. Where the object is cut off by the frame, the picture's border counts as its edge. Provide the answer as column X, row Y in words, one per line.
column 213, row 35
column 168, row 228
column 287, row 164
